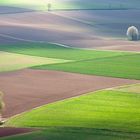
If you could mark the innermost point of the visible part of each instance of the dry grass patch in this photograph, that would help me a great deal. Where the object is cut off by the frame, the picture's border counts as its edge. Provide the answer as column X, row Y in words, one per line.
column 13, row 61
column 129, row 88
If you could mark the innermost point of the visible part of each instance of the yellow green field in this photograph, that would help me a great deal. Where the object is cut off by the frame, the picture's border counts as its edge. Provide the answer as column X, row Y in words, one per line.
column 13, row 61
column 130, row 88
column 101, row 115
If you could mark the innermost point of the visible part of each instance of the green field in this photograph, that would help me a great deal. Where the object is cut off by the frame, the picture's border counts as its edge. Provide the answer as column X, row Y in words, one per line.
column 92, row 62
column 57, row 51
column 73, row 4
column 107, row 115
column 13, row 61
column 127, row 66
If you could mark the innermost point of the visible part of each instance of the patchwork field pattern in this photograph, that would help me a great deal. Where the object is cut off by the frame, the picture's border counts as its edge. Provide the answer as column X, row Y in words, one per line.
column 104, row 63
column 58, row 90
column 57, row 51
column 127, row 66
column 33, row 88
column 83, row 29
column 111, row 114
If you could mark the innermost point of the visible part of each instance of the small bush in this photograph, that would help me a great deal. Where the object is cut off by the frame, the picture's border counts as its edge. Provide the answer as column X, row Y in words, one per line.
column 133, row 33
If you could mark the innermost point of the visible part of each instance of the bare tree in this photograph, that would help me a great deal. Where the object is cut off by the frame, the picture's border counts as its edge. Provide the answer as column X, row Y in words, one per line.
column 132, row 33
column 49, row 6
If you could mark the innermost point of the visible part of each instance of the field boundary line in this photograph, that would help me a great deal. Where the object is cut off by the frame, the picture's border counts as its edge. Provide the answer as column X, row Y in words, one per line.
column 72, row 18
column 70, row 98
column 63, row 45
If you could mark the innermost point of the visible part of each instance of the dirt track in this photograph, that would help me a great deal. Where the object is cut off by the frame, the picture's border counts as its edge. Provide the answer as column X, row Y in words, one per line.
column 26, row 89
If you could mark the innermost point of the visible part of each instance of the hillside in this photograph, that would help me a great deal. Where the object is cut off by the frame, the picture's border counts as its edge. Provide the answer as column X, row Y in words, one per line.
column 74, row 4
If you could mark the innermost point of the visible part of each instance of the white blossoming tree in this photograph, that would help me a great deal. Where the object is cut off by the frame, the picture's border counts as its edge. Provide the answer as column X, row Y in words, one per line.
column 132, row 33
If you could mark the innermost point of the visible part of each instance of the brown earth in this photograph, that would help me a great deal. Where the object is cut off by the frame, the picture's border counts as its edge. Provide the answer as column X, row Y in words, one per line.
column 59, row 28
column 4, row 132
column 27, row 89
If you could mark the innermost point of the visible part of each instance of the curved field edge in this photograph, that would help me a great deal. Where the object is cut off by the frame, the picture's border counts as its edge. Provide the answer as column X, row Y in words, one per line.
column 92, row 62
column 107, row 113
column 50, row 50
column 123, row 66
column 13, row 61
column 135, row 88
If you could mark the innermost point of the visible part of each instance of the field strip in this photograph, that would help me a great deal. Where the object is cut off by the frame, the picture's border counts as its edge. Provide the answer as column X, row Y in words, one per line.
column 34, row 88
column 14, row 61
column 134, row 88
column 123, row 86
column 77, row 96
column 93, row 110
column 63, row 45
column 74, row 97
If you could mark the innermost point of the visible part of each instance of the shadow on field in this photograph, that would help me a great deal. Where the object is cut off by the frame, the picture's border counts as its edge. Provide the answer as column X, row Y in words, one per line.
column 13, row 10
column 77, row 133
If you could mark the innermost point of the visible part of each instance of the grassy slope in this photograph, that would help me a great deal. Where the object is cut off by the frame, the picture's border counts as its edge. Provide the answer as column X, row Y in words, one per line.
column 73, row 4
column 106, row 63
column 13, row 61
column 127, row 66
column 108, row 115
column 56, row 51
